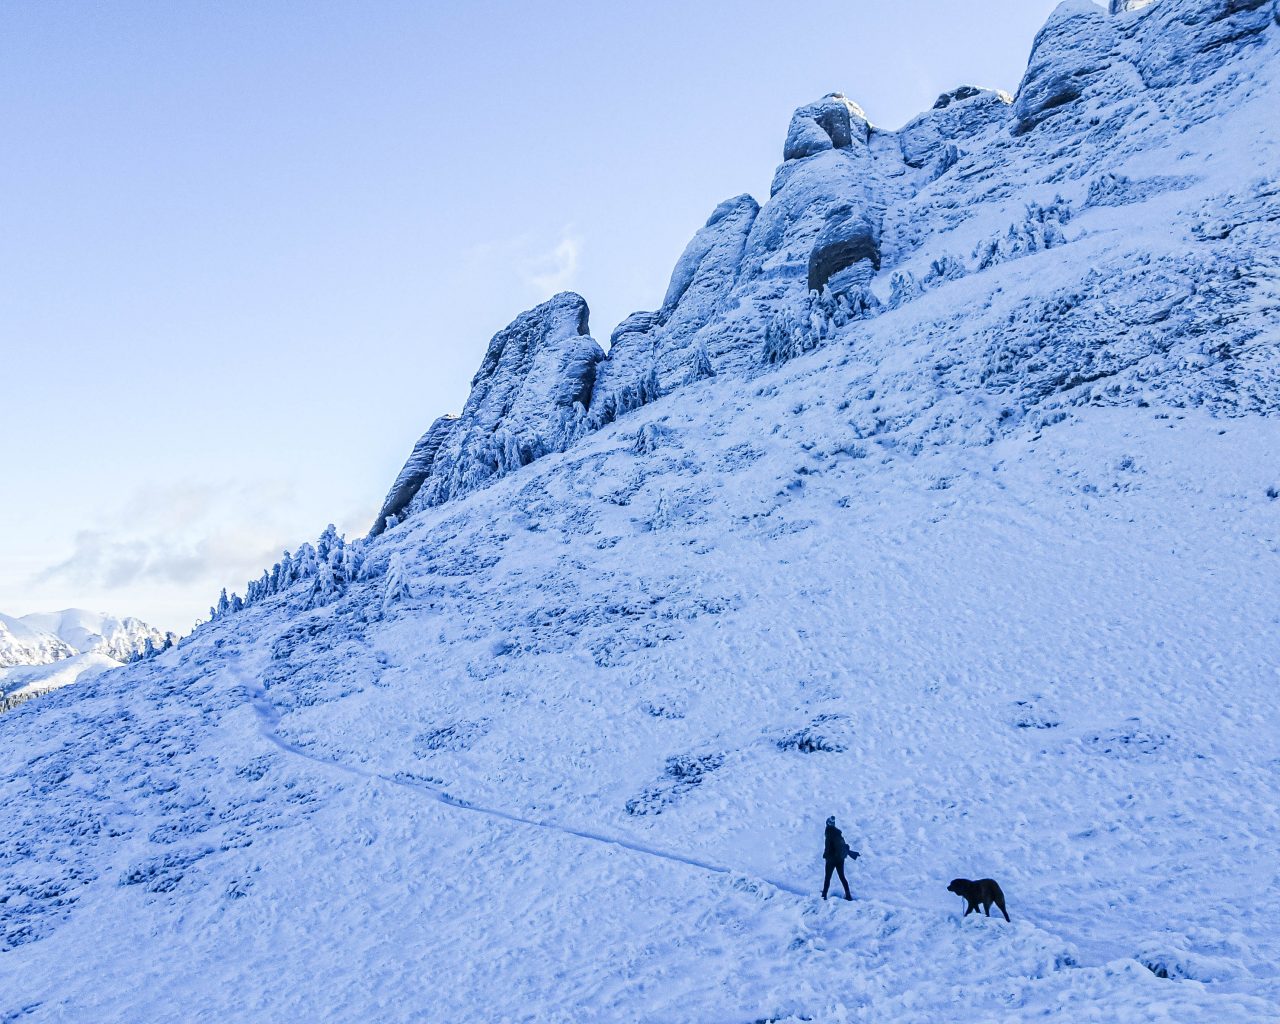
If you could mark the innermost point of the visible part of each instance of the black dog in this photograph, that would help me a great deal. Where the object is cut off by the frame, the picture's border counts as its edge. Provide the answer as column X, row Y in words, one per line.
column 984, row 891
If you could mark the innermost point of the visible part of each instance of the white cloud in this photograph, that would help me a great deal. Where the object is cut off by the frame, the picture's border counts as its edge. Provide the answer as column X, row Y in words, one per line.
column 555, row 270
column 185, row 538
column 537, row 268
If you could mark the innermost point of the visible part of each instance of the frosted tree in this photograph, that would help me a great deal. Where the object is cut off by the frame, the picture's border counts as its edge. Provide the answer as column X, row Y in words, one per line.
column 329, row 542
column 701, row 368
column 324, row 588
column 305, row 562
column 395, row 586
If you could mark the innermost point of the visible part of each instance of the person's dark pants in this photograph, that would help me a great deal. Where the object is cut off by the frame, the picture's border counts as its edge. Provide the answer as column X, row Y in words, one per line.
column 838, row 867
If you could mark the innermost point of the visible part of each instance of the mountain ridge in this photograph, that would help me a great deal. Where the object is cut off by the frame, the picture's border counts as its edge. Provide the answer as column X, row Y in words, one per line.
column 975, row 549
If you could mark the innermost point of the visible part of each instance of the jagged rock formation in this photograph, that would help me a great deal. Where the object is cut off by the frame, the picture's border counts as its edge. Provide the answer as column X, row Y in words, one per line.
column 530, row 397
column 651, row 353
column 415, row 471
column 861, row 221
column 957, row 118
column 988, row 522
column 834, row 122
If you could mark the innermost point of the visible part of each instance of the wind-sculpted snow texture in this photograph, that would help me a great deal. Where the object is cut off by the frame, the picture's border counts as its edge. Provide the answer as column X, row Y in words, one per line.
column 978, row 550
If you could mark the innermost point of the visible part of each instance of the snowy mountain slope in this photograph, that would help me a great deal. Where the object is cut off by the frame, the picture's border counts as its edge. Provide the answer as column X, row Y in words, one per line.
column 22, row 681
column 1139, row 145
column 21, row 643
column 42, row 652
column 976, row 549
column 1049, row 671
column 87, row 632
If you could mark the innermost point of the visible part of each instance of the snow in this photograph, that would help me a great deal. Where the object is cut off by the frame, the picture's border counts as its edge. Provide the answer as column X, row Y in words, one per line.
column 1047, row 671
column 25, row 680
column 42, row 638
column 985, row 567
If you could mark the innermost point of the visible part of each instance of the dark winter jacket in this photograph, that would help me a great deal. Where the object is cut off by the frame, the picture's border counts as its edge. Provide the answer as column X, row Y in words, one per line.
column 836, row 849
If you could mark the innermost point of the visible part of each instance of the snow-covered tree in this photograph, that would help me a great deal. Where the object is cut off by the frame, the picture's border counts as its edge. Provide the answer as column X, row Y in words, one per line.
column 395, row 585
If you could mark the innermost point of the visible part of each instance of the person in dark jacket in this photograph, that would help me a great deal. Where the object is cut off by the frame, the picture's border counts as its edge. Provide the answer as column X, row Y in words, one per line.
column 834, row 852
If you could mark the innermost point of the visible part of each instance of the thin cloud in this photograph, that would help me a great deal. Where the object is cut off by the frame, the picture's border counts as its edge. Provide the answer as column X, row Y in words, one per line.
column 556, row 270
column 539, row 269
column 177, row 534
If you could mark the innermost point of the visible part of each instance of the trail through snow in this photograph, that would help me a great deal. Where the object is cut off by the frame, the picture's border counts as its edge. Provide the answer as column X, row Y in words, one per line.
column 269, row 719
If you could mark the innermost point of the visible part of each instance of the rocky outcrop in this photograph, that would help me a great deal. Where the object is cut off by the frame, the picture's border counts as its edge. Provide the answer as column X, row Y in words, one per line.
column 1186, row 43
column 957, row 116
column 416, row 470
column 834, row 122
column 528, row 399
column 847, row 238
column 1073, row 54
column 627, row 377
column 860, row 221
column 651, row 353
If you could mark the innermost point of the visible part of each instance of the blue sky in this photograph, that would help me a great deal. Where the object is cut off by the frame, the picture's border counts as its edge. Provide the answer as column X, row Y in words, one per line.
column 248, row 251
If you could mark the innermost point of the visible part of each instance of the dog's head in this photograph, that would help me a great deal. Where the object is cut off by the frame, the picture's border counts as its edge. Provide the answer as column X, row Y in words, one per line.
column 958, row 886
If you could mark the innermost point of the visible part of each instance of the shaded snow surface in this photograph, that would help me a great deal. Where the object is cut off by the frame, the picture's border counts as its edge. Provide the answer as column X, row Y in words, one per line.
column 1056, row 669
column 980, row 555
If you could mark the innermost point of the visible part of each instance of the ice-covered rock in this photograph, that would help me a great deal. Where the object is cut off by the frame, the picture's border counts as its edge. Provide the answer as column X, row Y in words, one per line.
column 847, row 238
column 1180, row 43
column 529, row 398
column 650, row 353
column 1074, row 54
column 957, row 116
column 881, row 220
column 415, row 471
column 833, row 122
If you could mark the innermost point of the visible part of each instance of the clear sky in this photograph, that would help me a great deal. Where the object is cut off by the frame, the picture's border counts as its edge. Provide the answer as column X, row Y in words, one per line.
column 248, row 250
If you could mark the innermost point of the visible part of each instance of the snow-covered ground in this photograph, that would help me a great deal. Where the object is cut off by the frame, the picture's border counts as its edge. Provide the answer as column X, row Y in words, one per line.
column 978, row 552
column 1051, row 671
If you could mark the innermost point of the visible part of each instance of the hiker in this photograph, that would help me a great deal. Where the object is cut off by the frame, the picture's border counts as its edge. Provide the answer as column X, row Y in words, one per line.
column 833, row 853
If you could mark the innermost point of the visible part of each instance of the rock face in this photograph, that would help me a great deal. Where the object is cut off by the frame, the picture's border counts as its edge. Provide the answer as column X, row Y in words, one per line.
column 861, row 222
column 846, row 239
column 651, row 353
column 957, row 117
column 834, row 122
column 1076, row 54
column 415, row 471
column 529, row 398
